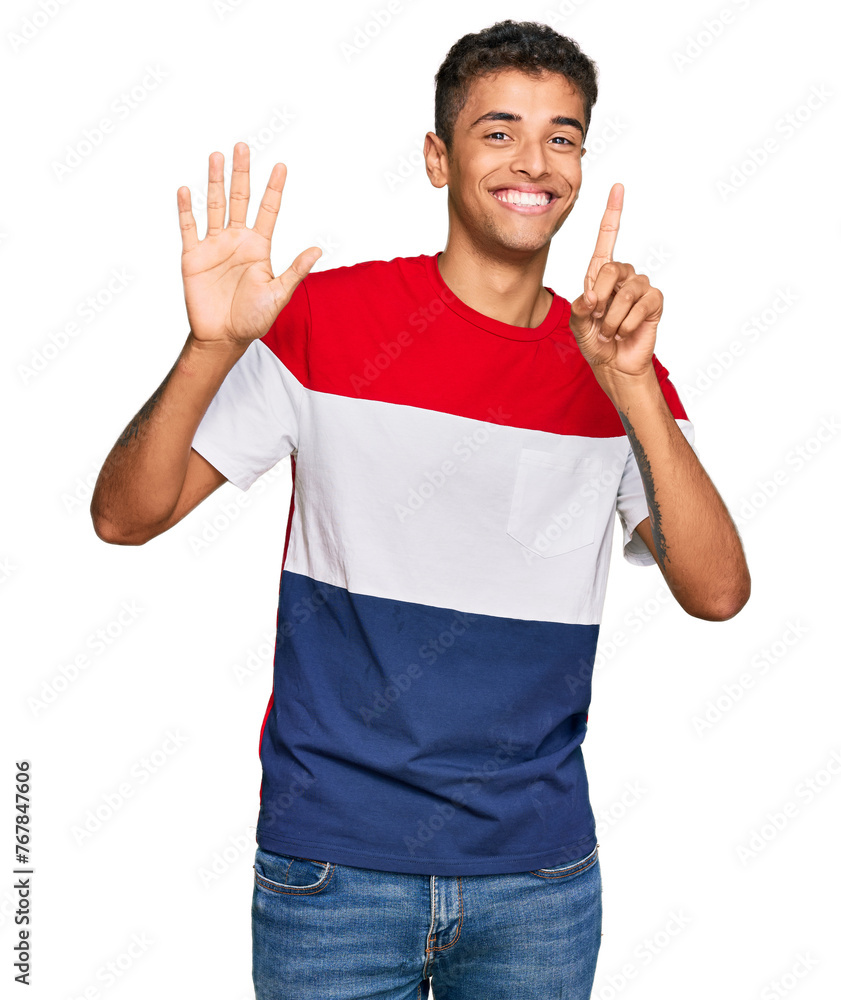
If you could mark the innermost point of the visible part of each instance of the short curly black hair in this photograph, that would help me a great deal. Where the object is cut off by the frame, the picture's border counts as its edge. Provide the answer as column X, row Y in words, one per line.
column 525, row 45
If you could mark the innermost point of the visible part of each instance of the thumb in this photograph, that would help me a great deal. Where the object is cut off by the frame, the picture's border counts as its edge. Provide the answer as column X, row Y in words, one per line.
column 297, row 271
column 589, row 300
column 305, row 261
column 583, row 306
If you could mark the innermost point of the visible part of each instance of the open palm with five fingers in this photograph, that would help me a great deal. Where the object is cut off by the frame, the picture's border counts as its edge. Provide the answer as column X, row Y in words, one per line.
column 231, row 294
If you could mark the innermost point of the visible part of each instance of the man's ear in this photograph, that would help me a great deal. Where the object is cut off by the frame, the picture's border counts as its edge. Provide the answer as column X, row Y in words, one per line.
column 583, row 150
column 436, row 159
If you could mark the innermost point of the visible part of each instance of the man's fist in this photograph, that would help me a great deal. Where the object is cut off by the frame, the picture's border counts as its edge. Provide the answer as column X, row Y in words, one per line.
column 615, row 319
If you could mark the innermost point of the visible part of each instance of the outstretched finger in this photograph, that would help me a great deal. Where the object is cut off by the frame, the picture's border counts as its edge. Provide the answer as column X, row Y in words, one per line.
column 215, row 193
column 189, row 236
column 240, row 186
column 606, row 240
column 270, row 205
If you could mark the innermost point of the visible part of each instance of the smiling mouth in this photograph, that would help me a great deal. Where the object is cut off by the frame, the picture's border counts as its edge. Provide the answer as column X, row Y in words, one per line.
column 525, row 203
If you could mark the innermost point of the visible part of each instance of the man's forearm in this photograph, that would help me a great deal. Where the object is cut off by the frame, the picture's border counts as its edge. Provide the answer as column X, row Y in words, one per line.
column 141, row 479
column 695, row 541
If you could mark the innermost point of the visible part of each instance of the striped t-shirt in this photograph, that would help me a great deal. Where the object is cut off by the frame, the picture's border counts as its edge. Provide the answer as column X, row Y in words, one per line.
column 454, row 485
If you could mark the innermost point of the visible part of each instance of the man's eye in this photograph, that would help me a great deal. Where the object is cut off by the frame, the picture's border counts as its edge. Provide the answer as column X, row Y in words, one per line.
column 563, row 138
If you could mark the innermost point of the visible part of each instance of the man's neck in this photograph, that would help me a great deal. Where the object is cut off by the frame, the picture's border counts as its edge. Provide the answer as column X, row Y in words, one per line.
column 504, row 291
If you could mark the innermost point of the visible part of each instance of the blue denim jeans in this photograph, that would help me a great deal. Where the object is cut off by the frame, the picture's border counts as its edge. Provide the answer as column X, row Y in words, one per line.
column 325, row 931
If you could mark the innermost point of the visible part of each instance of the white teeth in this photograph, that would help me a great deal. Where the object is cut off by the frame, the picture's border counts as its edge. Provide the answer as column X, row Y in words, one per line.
column 522, row 197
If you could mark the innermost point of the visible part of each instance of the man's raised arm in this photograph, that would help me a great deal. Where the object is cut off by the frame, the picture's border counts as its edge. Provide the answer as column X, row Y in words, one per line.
column 152, row 477
column 689, row 529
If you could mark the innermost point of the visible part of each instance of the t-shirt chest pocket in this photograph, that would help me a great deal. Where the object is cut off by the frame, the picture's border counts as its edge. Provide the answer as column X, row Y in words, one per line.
column 554, row 503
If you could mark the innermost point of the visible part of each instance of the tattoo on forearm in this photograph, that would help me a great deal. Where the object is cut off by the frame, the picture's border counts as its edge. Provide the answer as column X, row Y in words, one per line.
column 144, row 412
column 660, row 546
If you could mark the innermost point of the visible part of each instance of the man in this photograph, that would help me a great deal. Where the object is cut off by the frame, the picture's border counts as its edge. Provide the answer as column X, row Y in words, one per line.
column 461, row 438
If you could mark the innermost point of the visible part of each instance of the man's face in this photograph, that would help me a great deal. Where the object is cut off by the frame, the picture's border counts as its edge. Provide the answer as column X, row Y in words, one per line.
column 493, row 154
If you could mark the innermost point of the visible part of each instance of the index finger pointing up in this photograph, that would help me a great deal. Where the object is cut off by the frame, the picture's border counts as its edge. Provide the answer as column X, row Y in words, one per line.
column 607, row 234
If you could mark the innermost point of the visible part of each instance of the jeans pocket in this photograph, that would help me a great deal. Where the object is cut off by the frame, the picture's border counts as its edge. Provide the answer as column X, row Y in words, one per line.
column 553, row 507
column 290, row 873
column 570, row 870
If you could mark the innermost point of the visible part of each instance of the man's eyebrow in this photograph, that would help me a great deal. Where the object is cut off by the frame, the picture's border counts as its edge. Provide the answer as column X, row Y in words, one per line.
column 508, row 116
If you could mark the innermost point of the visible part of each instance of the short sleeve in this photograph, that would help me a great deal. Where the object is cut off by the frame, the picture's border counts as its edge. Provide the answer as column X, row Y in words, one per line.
column 631, row 503
column 253, row 420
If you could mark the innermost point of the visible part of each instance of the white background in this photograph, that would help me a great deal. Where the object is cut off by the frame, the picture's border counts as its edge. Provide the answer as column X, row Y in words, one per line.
column 683, row 812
